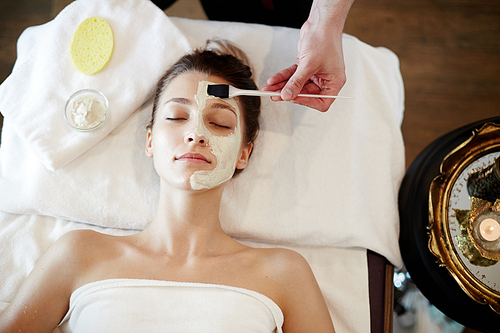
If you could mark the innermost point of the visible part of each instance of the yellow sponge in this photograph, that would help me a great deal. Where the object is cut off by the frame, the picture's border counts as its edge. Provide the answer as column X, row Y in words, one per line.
column 92, row 45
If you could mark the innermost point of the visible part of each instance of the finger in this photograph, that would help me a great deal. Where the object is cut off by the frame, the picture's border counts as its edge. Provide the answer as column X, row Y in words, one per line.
column 331, row 86
column 311, row 88
column 282, row 75
column 276, row 87
column 295, row 84
column 322, row 87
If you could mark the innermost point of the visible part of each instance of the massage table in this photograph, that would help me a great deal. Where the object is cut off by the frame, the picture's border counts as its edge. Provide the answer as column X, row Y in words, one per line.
column 322, row 184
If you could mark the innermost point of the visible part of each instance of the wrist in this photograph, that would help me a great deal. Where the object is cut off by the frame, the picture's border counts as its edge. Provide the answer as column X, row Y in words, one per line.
column 329, row 14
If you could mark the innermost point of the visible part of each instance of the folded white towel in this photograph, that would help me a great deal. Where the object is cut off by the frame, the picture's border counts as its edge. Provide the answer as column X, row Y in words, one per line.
column 111, row 185
column 34, row 95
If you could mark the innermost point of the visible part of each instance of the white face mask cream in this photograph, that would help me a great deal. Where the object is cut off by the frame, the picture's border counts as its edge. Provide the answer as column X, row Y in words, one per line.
column 86, row 110
column 225, row 148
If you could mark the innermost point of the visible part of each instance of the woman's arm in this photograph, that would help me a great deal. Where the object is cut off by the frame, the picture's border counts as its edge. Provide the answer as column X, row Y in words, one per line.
column 43, row 299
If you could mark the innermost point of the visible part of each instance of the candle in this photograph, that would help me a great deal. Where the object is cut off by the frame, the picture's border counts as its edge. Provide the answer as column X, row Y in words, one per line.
column 489, row 230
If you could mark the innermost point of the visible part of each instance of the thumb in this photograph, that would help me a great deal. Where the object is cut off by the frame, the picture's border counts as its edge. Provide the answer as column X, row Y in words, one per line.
column 296, row 82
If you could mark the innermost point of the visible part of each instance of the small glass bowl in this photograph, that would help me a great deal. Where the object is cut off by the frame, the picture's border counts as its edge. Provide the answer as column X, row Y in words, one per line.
column 102, row 109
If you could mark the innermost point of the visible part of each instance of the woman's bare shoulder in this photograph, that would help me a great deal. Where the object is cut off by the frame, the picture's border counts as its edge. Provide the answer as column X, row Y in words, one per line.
column 69, row 248
column 77, row 252
column 281, row 262
column 81, row 242
column 299, row 295
column 83, row 237
column 47, row 289
column 280, row 268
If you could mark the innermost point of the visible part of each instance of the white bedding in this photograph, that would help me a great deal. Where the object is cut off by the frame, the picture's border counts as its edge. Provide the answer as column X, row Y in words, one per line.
column 324, row 184
column 323, row 179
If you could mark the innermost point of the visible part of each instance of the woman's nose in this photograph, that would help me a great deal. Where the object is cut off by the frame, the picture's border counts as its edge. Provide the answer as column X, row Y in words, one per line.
column 196, row 138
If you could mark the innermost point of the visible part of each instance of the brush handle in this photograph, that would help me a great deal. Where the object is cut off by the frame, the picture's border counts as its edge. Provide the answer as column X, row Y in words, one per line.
column 274, row 93
column 323, row 96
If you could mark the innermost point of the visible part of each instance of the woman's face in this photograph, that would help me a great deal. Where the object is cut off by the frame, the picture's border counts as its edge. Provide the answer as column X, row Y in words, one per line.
column 196, row 140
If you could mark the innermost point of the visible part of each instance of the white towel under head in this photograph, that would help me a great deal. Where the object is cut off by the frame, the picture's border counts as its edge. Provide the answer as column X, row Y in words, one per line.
column 135, row 305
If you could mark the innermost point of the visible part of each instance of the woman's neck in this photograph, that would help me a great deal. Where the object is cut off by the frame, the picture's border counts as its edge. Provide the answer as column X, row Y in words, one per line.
column 187, row 224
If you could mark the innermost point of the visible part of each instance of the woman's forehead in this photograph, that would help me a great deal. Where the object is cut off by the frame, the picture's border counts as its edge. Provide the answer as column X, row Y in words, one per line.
column 187, row 83
column 186, row 86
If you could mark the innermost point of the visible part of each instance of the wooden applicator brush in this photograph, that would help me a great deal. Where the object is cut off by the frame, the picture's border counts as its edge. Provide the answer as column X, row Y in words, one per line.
column 227, row 91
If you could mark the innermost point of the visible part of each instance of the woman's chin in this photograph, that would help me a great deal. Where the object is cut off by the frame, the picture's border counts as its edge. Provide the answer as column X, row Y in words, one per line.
column 200, row 180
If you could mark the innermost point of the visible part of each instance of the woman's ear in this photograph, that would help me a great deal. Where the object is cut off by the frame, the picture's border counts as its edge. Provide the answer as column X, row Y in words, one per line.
column 149, row 144
column 244, row 156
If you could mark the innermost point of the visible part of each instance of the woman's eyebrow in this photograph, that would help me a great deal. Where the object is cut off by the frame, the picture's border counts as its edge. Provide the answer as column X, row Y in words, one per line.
column 222, row 106
column 179, row 100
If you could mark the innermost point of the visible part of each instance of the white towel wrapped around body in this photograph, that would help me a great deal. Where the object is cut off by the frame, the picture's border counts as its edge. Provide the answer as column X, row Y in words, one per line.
column 131, row 305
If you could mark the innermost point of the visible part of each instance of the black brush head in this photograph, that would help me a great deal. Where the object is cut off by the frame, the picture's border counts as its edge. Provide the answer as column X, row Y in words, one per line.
column 218, row 90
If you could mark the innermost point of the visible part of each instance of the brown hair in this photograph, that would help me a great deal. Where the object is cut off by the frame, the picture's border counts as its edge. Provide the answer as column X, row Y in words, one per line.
column 223, row 59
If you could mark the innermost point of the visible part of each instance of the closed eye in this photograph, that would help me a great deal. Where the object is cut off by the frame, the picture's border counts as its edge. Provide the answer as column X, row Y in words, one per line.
column 175, row 119
column 221, row 126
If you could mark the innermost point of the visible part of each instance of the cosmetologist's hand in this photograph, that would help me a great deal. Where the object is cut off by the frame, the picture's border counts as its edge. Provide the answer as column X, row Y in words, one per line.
column 319, row 68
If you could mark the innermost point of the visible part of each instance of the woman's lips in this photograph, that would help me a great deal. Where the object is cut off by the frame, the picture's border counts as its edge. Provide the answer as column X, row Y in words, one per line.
column 193, row 158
